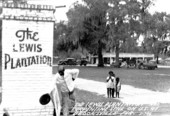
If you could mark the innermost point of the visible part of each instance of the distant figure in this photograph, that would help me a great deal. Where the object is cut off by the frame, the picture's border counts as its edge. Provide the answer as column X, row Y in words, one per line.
column 118, row 87
column 65, row 81
column 124, row 64
column 109, row 84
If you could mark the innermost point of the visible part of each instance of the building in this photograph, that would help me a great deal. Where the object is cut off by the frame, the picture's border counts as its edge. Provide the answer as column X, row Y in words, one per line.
column 109, row 58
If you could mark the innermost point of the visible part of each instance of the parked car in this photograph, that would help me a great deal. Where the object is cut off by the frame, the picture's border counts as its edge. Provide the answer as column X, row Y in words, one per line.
column 82, row 61
column 68, row 61
column 149, row 65
column 115, row 65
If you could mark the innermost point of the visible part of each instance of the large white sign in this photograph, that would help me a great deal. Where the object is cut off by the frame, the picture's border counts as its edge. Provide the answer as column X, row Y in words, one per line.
column 27, row 50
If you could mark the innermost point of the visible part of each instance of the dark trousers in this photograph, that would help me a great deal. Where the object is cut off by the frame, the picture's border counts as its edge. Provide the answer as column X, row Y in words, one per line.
column 72, row 99
column 66, row 106
column 117, row 94
column 109, row 92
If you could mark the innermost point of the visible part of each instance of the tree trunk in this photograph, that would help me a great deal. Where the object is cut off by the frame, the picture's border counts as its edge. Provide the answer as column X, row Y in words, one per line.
column 157, row 56
column 100, row 55
column 117, row 53
column 157, row 59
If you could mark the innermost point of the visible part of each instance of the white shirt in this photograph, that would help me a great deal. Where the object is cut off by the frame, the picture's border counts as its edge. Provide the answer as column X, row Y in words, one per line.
column 110, row 84
column 66, row 82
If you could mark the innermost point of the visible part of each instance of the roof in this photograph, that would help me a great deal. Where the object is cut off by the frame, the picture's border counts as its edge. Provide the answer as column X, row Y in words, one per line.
column 127, row 55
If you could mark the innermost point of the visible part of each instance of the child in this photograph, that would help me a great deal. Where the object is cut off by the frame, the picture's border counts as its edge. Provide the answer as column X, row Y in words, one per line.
column 118, row 86
column 109, row 84
column 113, row 85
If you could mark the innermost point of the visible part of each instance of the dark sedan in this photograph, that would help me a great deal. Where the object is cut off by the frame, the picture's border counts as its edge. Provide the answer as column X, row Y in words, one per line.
column 68, row 61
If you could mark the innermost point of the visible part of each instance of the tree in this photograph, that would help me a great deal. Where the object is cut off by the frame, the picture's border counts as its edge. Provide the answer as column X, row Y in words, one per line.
column 59, row 35
column 62, row 39
column 162, row 32
column 90, row 25
column 124, row 24
column 157, row 30
column 76, row 16
column 97, row 24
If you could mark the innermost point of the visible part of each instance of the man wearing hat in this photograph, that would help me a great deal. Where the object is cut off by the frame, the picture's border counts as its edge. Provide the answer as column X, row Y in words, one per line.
column 65, row 79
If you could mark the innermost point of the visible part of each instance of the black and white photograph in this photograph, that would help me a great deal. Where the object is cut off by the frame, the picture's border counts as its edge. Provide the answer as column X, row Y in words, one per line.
column 84, row 58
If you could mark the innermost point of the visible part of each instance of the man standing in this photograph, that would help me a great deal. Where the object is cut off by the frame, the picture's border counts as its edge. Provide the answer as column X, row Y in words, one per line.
column 65, row 81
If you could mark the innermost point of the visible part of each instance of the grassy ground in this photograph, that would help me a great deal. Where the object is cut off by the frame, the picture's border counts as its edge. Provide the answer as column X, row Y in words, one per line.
column 85, row 96
column 156, row 80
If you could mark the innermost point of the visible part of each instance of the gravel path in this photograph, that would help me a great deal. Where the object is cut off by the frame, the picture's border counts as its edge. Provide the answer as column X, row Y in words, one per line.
column 128, row 94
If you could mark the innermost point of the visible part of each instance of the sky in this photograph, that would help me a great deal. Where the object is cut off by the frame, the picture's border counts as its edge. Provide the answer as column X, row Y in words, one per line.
column 161, row 6
column 60, row 14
